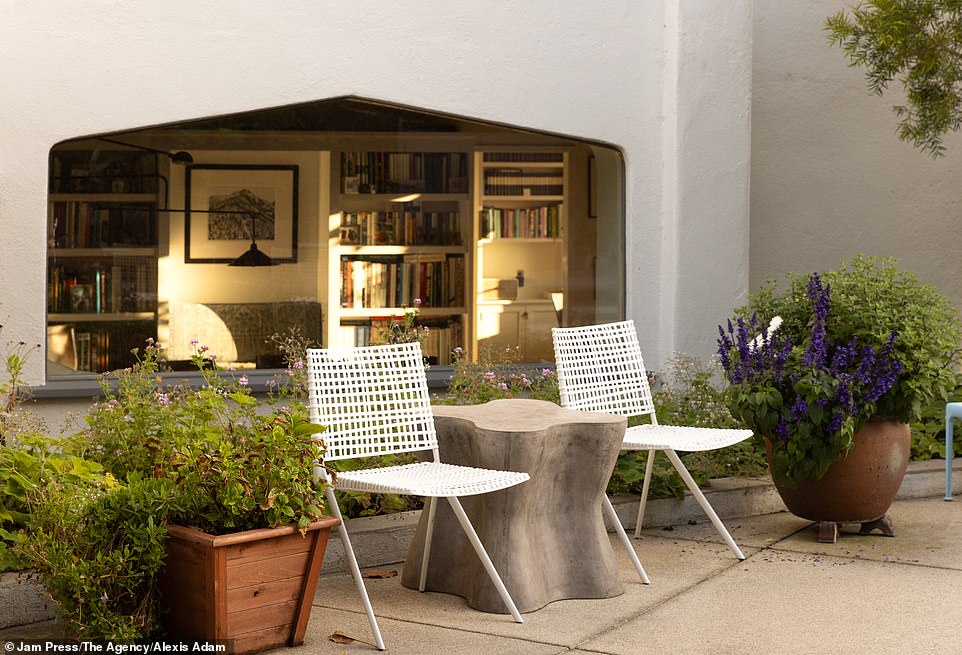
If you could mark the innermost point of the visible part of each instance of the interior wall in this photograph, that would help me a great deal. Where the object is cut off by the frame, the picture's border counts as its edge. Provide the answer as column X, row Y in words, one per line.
column 829, row 177
column 305, row 279
column 599, row 73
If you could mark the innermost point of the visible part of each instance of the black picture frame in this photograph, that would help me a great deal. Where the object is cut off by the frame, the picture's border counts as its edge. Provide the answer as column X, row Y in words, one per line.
column 269, row 191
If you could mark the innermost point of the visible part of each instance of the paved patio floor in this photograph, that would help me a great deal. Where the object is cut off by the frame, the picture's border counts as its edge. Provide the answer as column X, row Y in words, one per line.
column 863, row 594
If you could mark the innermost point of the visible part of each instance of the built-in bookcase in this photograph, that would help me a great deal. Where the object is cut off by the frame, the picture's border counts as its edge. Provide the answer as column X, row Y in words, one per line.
column 400, row 242
column 521, row 201
column 102, row 257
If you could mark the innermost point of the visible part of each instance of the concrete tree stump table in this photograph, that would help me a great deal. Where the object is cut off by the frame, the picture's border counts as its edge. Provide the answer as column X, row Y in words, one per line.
column 546, row 537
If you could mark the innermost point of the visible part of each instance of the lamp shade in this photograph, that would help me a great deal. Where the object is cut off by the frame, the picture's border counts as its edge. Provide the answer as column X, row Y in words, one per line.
column 253, row 257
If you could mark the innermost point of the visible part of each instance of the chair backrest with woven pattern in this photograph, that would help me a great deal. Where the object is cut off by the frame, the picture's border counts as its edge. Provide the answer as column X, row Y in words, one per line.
column 600, row 369
column 373, row 400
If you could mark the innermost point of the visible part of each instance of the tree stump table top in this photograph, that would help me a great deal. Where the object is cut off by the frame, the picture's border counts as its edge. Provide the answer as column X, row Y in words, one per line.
column 546, row 537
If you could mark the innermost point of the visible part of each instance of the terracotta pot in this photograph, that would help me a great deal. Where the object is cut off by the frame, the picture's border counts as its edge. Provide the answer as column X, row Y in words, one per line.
column 859, row 488
column 253, row 587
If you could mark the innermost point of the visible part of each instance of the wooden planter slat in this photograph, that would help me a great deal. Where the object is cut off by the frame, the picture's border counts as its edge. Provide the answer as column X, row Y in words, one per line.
column 253, row 642
column 261, row 618
column 254, row 587
column 267, row 592
column 268, row 570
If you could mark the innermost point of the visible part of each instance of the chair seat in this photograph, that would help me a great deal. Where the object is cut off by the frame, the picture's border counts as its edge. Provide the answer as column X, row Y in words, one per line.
column 434, row 480
column 681, row 438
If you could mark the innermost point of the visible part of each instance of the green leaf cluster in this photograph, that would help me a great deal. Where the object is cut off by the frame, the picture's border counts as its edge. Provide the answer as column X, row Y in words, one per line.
column 90, row 510
column 691, row 394
column 871, row 297
column 918, row 42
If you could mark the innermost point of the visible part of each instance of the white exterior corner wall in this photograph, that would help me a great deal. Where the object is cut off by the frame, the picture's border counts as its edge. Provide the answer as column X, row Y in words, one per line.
column 830, row 178
column 576, row 68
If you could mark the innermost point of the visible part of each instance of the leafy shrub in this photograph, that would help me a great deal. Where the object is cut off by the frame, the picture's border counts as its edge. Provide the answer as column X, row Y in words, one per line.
column 207, row 457
column 496, row 375
column 692, row 395
column 871, row 299
column 866, row 340
column 99, row 547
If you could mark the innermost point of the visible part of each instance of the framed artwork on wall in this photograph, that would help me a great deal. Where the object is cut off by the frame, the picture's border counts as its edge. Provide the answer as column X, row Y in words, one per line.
column 267, row 192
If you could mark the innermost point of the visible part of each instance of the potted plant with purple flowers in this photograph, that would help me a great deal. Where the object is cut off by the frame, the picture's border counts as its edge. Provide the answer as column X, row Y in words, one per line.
column 859, row 351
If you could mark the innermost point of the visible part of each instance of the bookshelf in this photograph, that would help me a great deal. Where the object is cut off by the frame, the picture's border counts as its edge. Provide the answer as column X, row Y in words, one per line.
column 400, row 233
column 102, row 257
column 521, row 208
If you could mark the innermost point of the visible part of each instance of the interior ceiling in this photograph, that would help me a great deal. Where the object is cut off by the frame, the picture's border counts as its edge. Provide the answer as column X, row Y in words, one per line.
column 347, row 116
column 337, row 115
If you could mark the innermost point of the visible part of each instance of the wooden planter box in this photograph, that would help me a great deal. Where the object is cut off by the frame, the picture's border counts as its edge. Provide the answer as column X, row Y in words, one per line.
column 253, row 587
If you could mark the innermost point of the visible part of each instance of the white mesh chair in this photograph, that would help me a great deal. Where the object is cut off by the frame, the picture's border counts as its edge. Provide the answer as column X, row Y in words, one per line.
column 374, row 401
column 600, row 369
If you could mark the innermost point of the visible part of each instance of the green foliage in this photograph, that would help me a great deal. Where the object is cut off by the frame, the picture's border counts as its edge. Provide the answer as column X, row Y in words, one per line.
column 692, row 396
column 928, row 432
column 814, row 411
column 237, row 467
column 355, row 504
column 99, row 548
column 871, row 297
column 495, row 376
column 210, row 457
column 920, row 43
column 403, row 330
column 27, row 468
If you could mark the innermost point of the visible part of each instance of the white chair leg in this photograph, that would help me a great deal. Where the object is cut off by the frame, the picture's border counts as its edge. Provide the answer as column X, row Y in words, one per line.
column 483, row 555
column 355, row 569
column 644, row 492
column 432, row 503
column 700, row 497
column 620, row 529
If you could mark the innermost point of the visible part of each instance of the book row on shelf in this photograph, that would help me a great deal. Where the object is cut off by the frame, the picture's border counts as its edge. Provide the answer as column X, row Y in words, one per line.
column 438, row 345
column 376, row 282
column 99, row 348
column 524, row 156
column 518, row 182
column 525, row 223
column 395, row 172
column 103, row 171
column 88, row 225
column 122, row 287
column 403, row 228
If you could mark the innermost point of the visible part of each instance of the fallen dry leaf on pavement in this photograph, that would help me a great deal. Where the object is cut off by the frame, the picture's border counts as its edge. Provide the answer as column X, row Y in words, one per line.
column 340, row 638
column 379, row 574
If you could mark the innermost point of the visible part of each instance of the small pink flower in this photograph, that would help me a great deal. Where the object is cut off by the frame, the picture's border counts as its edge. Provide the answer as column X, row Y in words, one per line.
column 243, row 380
column 503, row 386
column 231, row 369
column 417, row 302
column 545, row 372
column 162, row 399
column 203, row 348
column 489, row 376
column 194, row 342
column 298, row 364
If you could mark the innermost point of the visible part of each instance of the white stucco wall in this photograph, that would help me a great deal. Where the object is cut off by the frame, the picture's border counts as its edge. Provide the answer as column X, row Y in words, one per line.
column 829, row 176
column 668, row 86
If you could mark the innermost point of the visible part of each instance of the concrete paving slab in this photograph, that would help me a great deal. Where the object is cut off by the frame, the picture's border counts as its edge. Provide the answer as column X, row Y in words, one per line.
column 750, row 531
column 797, row 603
column 673, row 566
column 406, row 638
column 927, row 532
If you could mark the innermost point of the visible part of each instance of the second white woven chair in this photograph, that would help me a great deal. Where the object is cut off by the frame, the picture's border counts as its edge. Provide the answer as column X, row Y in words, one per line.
column 374, row 401
column 600, row 369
